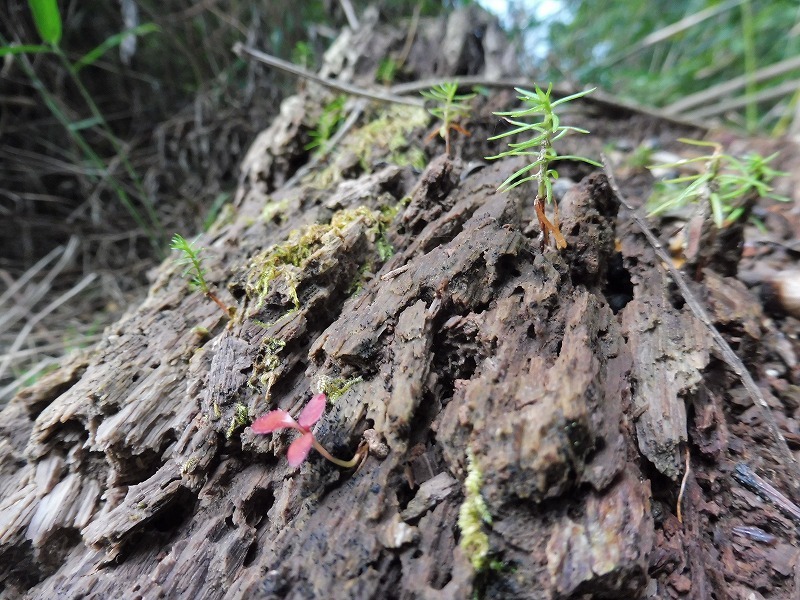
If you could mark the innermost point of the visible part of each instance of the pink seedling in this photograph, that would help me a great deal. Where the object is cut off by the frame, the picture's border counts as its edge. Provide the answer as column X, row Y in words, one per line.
column 276, row 420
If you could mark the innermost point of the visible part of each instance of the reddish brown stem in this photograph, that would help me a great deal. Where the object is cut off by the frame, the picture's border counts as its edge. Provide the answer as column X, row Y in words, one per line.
column 547, row 226
column 218, row 302
column 345, row 464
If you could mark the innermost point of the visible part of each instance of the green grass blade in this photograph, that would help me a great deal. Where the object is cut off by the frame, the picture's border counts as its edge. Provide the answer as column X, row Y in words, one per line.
column 24, row 49
column 110, row 42
column 47, row 19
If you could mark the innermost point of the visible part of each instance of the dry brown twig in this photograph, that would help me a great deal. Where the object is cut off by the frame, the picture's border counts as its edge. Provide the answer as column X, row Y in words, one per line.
column 340, row 86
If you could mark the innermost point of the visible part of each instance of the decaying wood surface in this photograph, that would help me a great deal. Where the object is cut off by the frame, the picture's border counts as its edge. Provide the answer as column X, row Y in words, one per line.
column 127, row 474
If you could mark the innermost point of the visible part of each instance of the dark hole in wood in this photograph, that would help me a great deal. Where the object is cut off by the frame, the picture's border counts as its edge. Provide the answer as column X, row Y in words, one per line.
column 252, row 552
column 175, row 513
column 257, row 506
column 619, row 287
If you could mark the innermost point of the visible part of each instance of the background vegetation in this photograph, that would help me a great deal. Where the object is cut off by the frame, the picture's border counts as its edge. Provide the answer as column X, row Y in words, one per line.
column 179, row 109
column 744, row 53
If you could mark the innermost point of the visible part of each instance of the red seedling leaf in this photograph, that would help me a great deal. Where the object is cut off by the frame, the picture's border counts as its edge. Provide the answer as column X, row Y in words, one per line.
column 298, row 451
column 312, row 411
column 274, row 420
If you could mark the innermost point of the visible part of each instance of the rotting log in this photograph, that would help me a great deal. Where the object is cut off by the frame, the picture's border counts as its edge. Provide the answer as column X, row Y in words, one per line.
column 127, row 473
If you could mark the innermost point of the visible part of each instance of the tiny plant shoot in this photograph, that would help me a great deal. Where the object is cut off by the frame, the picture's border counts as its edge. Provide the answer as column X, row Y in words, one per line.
column 190, row 257
column 450, row 108
column 545, row 132
column 723, row 181
column 276, row 420
column 329, row 121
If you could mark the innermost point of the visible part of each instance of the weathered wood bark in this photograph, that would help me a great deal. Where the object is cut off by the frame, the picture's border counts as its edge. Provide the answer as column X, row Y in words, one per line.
column 128, row 472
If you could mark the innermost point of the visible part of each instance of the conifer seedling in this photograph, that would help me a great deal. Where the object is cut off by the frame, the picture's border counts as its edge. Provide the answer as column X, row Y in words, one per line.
column 449, row 108
column 545, row 132
column 190, row 257
column 723, row 181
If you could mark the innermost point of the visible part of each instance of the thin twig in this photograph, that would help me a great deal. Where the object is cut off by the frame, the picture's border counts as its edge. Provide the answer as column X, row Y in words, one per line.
column 30, row 274
column 671, row 30
column 242, row 50
column 687, row 470
column 352, row 19
column 412, row 33
column 719, row 91
column 748, row 478
column 395, row 272
column 52, row 347
column 7, row 392
column 734, row 362
column 598, row 97
column 771, row 93
column 395, row 93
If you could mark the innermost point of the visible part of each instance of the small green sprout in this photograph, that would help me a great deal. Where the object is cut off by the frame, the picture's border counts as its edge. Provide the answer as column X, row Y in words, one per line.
column 303, row 54
column 387, row 71
column 641, row 157
column 194, row 267
column 449, row 109
column 332, row 116
column 472, row 515
column 724, row 182
column 545, row 132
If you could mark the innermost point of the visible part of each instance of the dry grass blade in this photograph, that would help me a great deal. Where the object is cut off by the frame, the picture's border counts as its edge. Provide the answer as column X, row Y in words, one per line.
column 7, row 392
column 30, row 274
column 722, row 89
column 38, row 291
column 773, row 93
column 35, row 319
column 350, row 14
column 674, row 29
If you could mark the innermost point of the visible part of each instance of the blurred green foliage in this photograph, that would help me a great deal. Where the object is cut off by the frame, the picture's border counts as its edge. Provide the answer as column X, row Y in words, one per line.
column 617, row 46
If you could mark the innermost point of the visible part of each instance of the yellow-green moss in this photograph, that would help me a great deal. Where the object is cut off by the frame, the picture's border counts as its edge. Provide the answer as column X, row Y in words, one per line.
column 201, row 332
column 387, row 134
column 336, row 387
column 264, row 370
column 390, row 131
column 472, row 515
column 189, row 465
column 272, row 347
column 240, row 418
column 288, row 259
column 275, row 209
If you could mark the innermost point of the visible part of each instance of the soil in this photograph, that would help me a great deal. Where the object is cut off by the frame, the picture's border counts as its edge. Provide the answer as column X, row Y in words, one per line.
column 579, row 381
